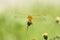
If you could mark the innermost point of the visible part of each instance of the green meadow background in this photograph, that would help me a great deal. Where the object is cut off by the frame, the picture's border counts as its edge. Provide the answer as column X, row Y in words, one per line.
column 13, row 19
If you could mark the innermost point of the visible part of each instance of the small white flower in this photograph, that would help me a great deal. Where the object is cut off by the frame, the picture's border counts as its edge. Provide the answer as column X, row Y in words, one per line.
column 57, row 19
column 44, row 34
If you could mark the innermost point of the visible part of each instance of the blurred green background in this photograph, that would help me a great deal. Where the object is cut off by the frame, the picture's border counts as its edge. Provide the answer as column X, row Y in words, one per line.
column 13, row 19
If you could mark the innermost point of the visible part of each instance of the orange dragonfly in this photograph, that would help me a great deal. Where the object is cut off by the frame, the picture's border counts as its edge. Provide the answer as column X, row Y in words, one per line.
column 29, row 20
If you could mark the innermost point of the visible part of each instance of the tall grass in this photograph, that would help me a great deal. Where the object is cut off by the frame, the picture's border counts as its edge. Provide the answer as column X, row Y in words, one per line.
column 13, row 21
